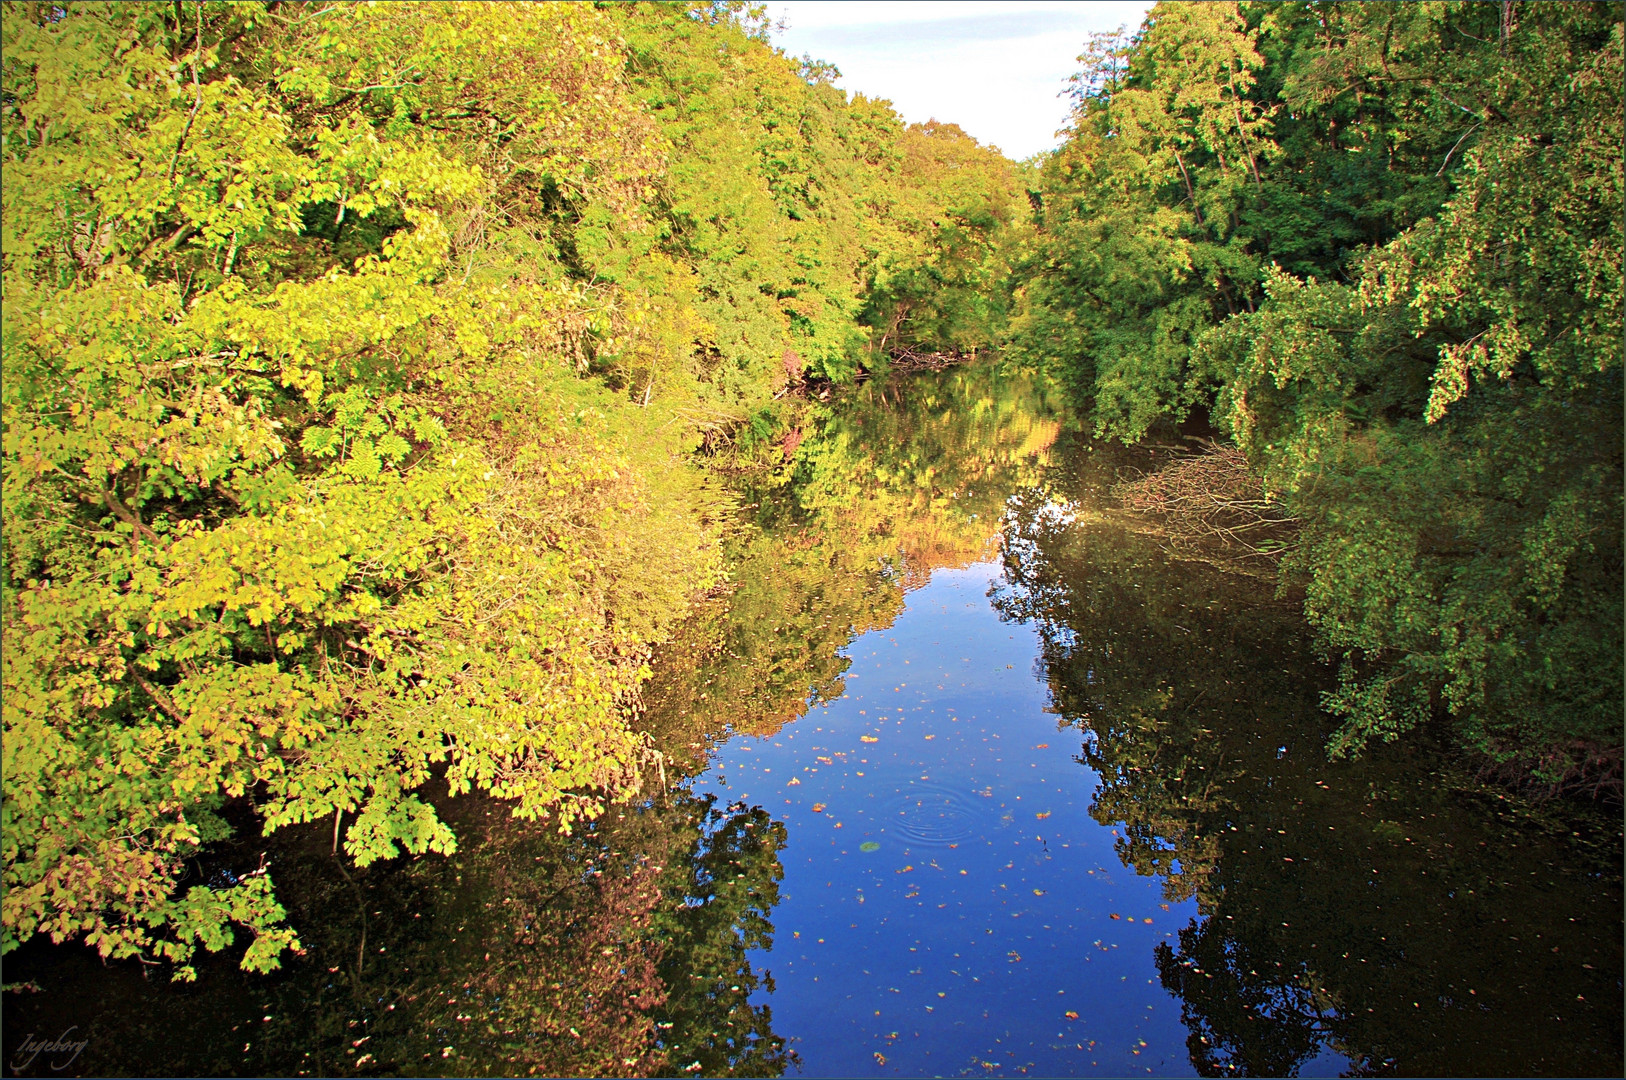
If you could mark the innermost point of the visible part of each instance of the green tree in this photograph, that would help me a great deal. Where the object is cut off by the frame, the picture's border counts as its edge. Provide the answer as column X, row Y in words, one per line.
column 348, row 375
column 1380, row 245
column 943, row 243
column 1141, row 246
column 1446, row 427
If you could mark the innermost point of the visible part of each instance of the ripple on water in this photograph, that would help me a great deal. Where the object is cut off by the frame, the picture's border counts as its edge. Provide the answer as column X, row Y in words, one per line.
column 933, row 815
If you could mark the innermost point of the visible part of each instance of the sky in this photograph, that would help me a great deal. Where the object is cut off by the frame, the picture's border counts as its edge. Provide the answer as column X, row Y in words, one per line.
column 995, row 68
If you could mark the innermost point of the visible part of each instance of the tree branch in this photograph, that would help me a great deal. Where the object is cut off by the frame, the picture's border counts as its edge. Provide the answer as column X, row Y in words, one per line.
column 197, row 99
column 126, row 515
column 162, row 699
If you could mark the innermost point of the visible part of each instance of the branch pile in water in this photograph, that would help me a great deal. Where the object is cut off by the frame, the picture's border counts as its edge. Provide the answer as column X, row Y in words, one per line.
column 907, row 359
column 1210, row 503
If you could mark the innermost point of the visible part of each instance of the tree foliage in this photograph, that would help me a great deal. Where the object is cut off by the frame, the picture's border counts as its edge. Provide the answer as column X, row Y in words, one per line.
column 1381, row 245
column 1392, row 910
column 351, row 353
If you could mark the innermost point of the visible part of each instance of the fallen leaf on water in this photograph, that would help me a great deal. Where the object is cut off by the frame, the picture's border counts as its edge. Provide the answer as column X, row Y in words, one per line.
column 793, row 782
column 931, row 736
column 905, row 870
column 868, row 738
column 818, row 808
column 869, row 845
column 1114, row 915
column 1042, row 746
column 880, row 1058
column 1148, row 922
column 1070, row 1014
column 1044, row 815
column 1040, row 892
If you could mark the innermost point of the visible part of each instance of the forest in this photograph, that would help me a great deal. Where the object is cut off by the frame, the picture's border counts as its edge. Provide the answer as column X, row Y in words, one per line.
column 383, row 383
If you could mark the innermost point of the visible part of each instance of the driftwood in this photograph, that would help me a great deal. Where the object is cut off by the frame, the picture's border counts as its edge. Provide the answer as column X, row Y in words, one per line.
column 1577, row 768
column 1210, row 506
column 907, row 359
column 902, row 359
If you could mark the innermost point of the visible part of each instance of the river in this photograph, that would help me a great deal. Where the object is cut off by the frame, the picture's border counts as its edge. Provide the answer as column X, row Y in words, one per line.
column 966, row 775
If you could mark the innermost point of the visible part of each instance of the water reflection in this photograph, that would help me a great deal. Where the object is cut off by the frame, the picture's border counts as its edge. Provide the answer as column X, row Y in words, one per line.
column 949, row 702
column 897, row 480
column 620, row 951
column 1389, row 912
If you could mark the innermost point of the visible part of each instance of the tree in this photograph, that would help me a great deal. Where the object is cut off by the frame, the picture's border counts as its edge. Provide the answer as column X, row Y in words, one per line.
column 347, row 379
column 1379, row 244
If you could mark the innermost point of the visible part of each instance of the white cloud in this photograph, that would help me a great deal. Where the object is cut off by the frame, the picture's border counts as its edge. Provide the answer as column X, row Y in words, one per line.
column 996, row 69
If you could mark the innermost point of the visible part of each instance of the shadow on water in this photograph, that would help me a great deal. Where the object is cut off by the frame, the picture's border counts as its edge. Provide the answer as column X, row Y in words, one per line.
column 1390, row 909
column 619, row 950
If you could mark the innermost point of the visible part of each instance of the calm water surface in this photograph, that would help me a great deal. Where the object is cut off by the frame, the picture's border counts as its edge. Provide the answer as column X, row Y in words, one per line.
column 966, row 776
column 948, row 902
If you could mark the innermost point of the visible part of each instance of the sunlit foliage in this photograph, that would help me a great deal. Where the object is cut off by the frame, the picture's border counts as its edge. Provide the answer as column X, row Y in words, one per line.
column 901, row 478
column 1381, row 245
column 350, row 352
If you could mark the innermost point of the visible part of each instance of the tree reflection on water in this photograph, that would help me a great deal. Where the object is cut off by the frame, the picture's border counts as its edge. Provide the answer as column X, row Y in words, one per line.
column 903, row 478
column 620, row 950
column 1389, row 910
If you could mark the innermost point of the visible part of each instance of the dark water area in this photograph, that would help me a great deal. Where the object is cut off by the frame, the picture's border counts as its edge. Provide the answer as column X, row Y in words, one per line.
column 966, row 775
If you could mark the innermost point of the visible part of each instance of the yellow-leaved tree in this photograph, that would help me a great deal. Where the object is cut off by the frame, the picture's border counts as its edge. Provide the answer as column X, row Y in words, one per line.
column 303, row 496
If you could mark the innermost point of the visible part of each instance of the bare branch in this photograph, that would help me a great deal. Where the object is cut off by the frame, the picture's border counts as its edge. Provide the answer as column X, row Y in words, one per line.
column 1210, row 503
